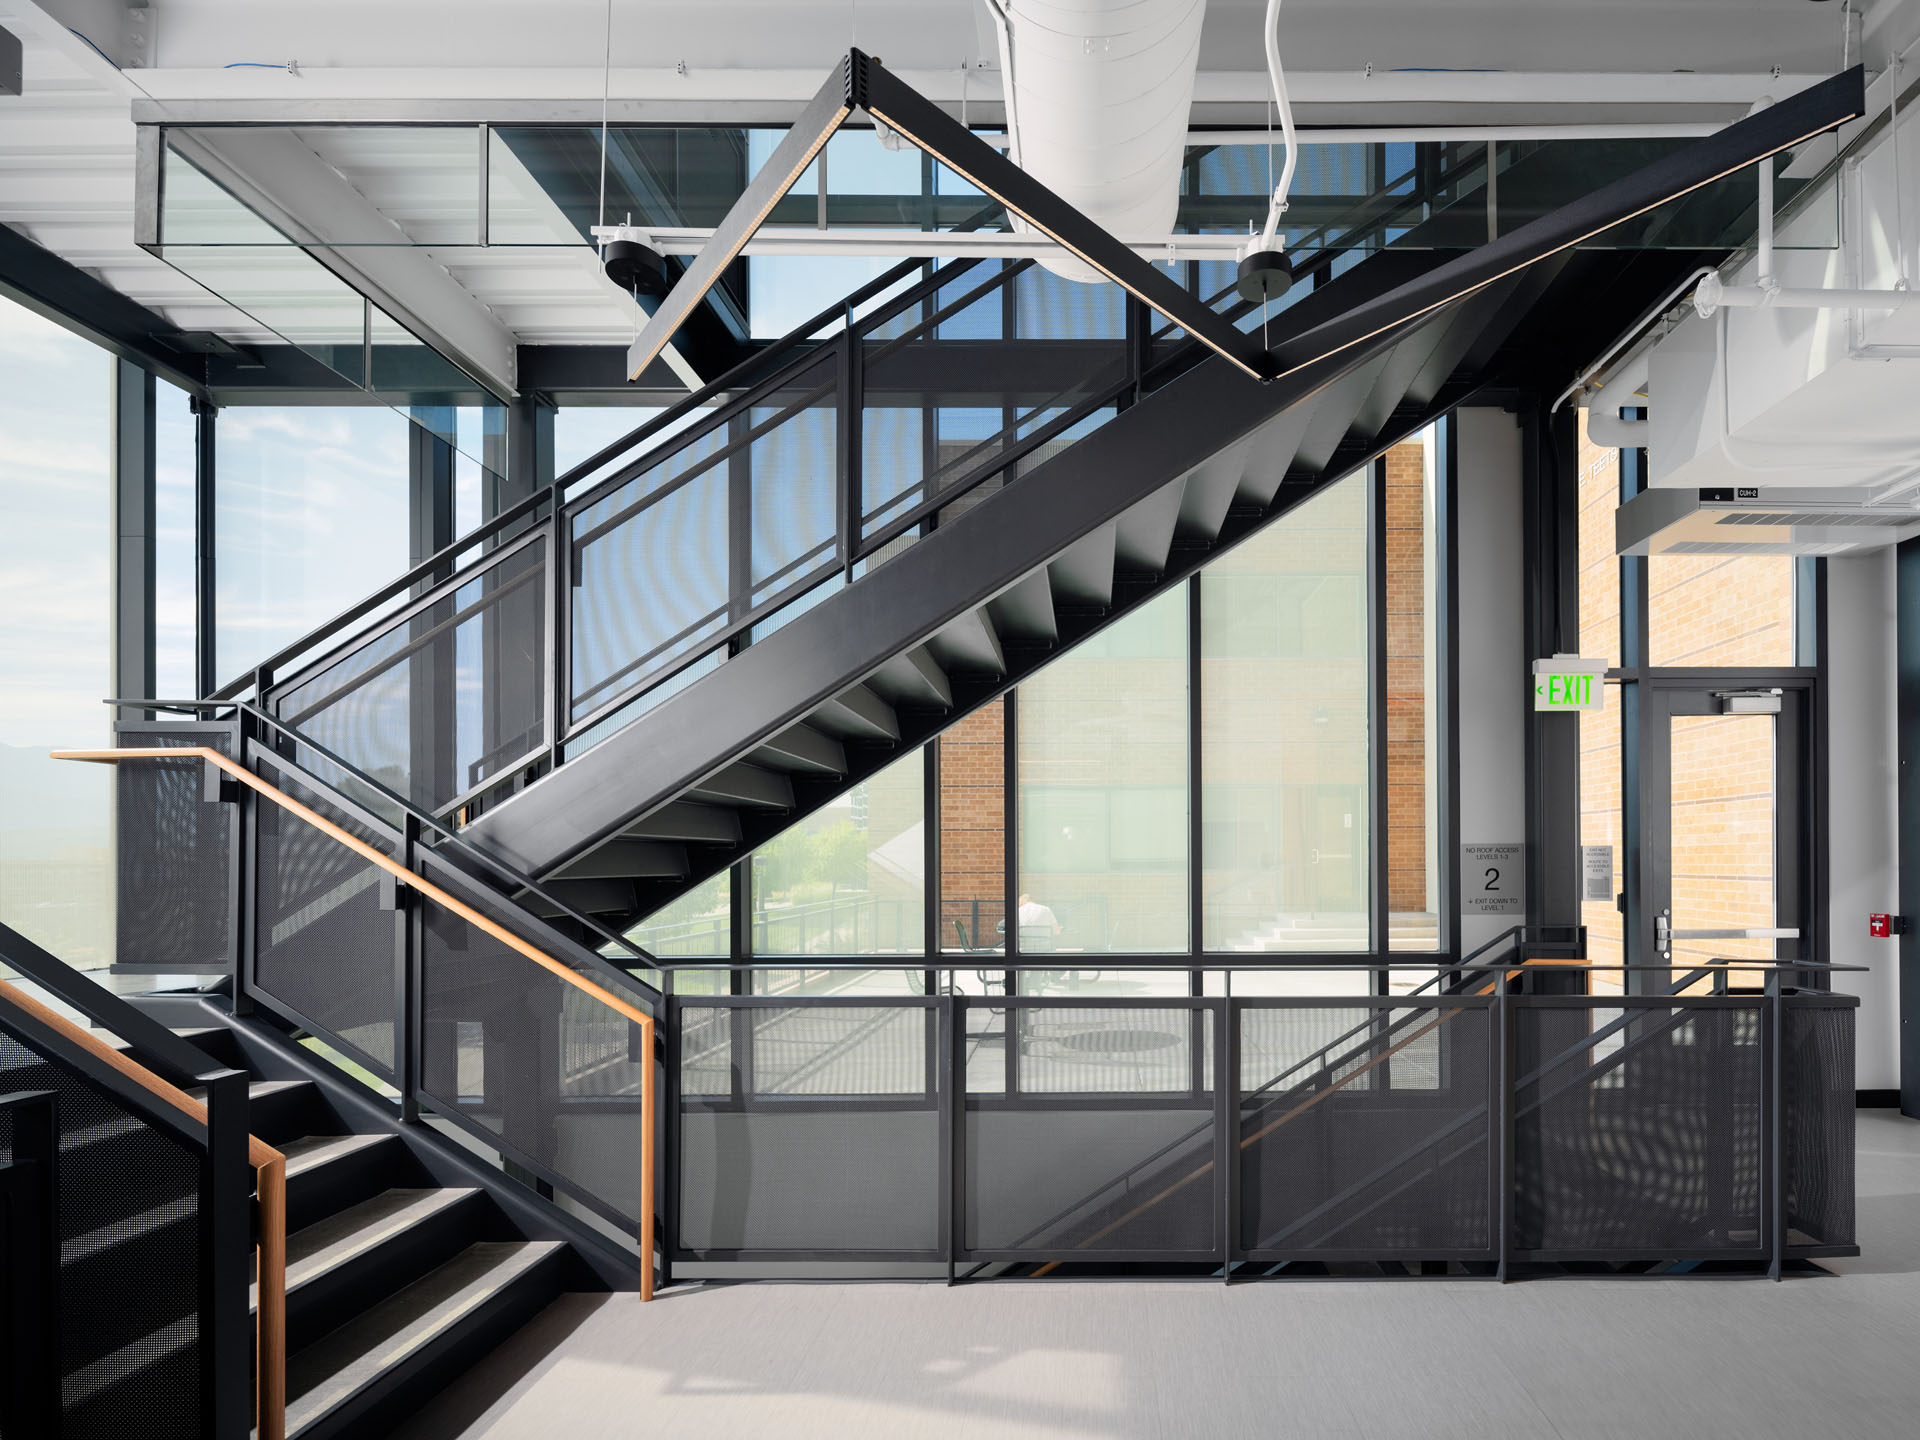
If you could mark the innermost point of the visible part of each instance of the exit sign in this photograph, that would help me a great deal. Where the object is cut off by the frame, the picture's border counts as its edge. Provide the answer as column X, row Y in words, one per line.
column 1569, row 682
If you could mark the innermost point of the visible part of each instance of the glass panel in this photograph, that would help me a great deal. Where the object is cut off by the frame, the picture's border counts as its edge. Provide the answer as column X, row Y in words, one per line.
column 175, row 453
column 849, row 879
column 446, row 701
column 1720, row 609
column 1414, row 762
column 698, row 923
column 1103, row 790
column 56, row 884
column 310, row 516
column 1284, row 732
column 973, row 824
column 1722, row 808
column 658, row 563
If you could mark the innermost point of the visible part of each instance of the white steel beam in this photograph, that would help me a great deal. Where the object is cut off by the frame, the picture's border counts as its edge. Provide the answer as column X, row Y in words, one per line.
column 283, row 181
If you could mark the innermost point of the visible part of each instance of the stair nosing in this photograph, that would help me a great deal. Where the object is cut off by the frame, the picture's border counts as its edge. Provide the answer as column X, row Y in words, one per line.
column 427, row 1202
column 521, row 1258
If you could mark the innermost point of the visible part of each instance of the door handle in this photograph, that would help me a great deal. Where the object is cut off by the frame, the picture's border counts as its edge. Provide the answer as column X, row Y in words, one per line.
column 1735, row 934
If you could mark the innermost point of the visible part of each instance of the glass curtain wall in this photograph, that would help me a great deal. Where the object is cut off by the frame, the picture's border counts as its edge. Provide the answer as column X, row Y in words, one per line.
column 56, row 873
column 310, row 514
column 176, row 456
column 1285, row 744
column 1103, row 801
column 1255, row 689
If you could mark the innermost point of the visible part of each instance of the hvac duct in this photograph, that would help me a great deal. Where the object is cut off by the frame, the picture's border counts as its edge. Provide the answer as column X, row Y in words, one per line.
column 1098, row 94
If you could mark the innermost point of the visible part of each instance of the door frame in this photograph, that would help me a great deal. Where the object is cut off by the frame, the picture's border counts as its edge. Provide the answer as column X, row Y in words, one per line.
column 1649, row 699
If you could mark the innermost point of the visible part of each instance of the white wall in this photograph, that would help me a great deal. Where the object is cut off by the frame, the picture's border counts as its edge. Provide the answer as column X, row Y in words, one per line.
column 1862, row 773
column 1492, row 640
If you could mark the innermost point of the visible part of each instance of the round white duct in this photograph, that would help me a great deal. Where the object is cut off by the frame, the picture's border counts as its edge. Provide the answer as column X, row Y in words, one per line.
column 1098, row 97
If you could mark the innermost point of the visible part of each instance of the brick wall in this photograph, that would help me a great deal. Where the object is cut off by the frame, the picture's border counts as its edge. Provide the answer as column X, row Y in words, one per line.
column 1709, row 610
column 1407, row 800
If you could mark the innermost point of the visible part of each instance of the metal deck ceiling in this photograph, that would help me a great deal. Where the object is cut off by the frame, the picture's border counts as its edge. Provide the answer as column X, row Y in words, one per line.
column 67, row 144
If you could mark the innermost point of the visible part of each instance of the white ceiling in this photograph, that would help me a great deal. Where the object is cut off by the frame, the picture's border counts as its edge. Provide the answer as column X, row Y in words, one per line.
column 66, row 146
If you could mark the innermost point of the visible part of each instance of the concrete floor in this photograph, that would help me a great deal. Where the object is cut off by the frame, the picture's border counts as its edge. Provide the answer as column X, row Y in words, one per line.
column 1818, row 1358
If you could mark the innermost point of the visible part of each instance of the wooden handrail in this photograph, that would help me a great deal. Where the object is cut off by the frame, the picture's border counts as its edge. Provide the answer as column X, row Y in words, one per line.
column 466, row 912
column 270, row 1185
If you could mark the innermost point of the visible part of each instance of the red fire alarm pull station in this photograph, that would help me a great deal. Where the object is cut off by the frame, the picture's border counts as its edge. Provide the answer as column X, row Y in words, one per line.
column 1885, row 927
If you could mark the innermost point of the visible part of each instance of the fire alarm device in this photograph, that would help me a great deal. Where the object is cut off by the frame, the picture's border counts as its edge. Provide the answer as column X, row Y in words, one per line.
column 1885, row 927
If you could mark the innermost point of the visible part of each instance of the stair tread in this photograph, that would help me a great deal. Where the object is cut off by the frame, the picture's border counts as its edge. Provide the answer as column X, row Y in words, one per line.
column 336, row 1367
column 256, row 1089
column 190, row 1034
column 310, row 1152
column 327, row 1244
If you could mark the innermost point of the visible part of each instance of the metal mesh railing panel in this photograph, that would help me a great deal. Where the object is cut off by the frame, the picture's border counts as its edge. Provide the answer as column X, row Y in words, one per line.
column 324, row 946
column 1089, row 1130
column 840, row 1050
column 173, row 891
column 808, row 1128
column 552, row 1073
column 1646, row 1141
column 127, row 1206
column 1074, row 1051
column 1818, row 1118
column 1089, row 1183
column 1376, row 1143
column 446, row 700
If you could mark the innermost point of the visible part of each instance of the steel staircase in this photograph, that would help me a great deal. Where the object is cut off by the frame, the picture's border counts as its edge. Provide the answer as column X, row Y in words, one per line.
column 690, row 718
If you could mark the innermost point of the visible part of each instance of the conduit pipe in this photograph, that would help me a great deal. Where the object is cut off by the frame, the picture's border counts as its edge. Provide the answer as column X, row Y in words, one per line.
column 1623, row 387
column 1712, row 293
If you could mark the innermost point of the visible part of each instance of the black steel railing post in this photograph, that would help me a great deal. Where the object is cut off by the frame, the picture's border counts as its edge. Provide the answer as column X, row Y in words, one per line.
column 408, row 937
column 559, row 621
column 1226, row 1142
column 847, row 438
column 226, row 1250
column 1503, row 1053
column 955, row 1114
column 1776, row 1128
column 30, row 1243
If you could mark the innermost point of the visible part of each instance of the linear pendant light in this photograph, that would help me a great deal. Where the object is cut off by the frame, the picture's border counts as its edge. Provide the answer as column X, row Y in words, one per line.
column 861, row 83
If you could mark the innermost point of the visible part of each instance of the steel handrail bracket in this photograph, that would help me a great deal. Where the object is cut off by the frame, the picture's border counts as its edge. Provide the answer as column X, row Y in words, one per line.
column 466, row 912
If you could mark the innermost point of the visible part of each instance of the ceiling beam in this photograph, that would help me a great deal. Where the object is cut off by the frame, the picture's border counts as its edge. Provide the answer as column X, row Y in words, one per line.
column 777, row 96
column 50, row 286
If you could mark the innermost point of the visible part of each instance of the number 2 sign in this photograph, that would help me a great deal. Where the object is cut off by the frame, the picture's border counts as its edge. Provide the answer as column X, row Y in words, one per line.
column 1493, row 880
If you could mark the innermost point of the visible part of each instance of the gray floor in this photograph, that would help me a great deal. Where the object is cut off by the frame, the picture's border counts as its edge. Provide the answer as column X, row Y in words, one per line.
column 1819, row 1357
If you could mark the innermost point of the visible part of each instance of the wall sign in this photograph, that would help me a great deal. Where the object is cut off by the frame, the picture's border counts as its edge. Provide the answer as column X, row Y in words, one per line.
column 1569, row 682
column 1596, row 872
column 1493, row 880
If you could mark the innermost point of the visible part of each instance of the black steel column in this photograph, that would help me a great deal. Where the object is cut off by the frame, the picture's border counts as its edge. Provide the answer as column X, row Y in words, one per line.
column 1550, row 481
column 132, row 581
column 431, row 759
column 206, row 654
column 520, row 464
column 1907, row 746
